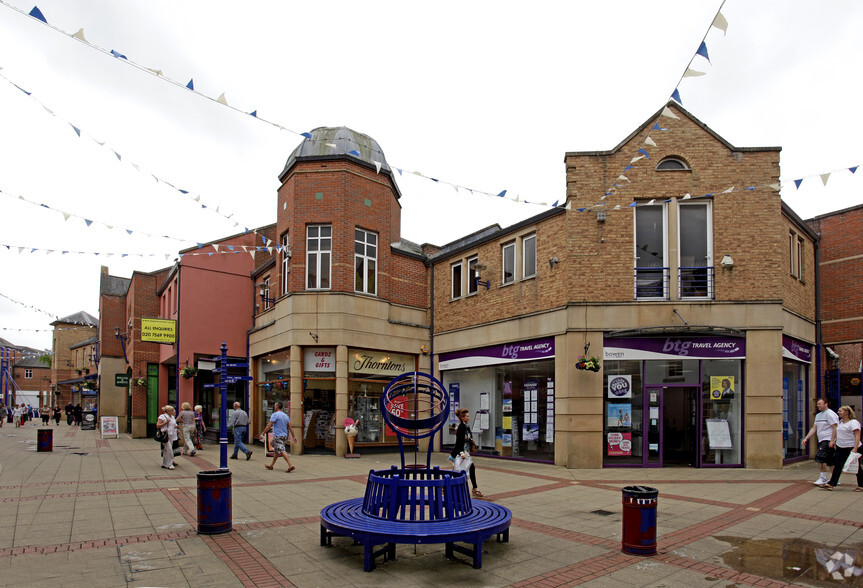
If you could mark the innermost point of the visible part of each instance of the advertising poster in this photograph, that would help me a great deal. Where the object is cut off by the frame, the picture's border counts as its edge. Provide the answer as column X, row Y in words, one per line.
column 507, row 405
column 619, row 415
column 620, row 386
column 721, row 387
column 620, row 444
column 530, row 432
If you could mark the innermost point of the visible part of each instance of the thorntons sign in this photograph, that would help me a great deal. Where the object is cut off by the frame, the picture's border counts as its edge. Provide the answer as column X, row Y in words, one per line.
column 497, row 354
column 674, row 348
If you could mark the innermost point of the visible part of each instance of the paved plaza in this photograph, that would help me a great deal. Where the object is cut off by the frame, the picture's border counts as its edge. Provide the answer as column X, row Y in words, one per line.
column 101, row 512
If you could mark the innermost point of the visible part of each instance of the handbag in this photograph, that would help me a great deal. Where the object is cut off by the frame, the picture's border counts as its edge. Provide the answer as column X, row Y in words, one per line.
column 852, row 463
column 462, row 463
column 161, row 436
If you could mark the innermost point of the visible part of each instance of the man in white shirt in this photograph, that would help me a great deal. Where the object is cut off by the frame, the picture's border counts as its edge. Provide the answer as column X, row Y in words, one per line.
column 825, row 428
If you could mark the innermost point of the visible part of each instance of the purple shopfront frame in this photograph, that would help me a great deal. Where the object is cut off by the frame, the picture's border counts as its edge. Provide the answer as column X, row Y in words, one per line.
column 675, row 347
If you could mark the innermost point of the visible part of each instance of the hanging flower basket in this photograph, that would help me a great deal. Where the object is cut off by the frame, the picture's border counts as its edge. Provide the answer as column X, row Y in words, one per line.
column 188, row 372
column 89, row 385
column 141, row 381
column 590, row 364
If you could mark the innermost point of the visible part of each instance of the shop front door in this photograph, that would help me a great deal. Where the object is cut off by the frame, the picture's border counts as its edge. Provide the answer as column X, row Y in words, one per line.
column 679, row 426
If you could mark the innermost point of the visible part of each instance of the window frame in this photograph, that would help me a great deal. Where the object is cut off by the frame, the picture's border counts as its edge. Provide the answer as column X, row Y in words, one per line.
column 315, row 257
column 524, row 257
column 286, row 262
column 511, row 248
column 472, row 275
column 265, row 288
column 366, row 259
column 708, row 231
column 664, row 267
column 456, row 282
column 28, row 373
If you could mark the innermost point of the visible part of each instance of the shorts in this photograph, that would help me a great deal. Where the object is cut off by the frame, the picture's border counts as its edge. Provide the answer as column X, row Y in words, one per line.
column 825, row 453
column 279, row 445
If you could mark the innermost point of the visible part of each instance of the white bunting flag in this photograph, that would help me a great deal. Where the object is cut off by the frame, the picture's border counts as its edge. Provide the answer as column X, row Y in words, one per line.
column 377, row 166
column 720, row 23
column 649, row 141
column 667, row 112
column 221, row 99
column 691, row 73
column 825, row 177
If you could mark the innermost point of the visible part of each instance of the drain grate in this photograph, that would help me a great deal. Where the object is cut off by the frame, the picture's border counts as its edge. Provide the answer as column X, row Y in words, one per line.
column 602, row 513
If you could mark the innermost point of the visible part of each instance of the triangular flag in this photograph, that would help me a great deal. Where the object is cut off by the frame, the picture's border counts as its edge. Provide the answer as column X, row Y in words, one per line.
column 354, row 152
column 616, row 207
column 254, row 113
column 687, row 196
column 676, row 96
column 377, row 166
column 555, row 204
column 334, row 146
column 118, row 55
column 667, row 112
column 221, row 99
column 650, row 142
column 36, row 13
column 119, row 158
column 623, row 178
column 652, row 200
column 798, row 182
column 216, row 247
column 66, row 216
column 252, row 253
column 656, row 127
column 644, row 152
column 158, row 72
column 853, row 169
column 720, row 23
column 634, row 159
column 88, row 221
column 191, row 84
column 77, row 130
column 80, row 35
column 502, row 194
column 702, row 51
column 306, row 135
column 731, row 189
column 633, row 205
column 691, row 73
column 775, row 186
column 825, row 177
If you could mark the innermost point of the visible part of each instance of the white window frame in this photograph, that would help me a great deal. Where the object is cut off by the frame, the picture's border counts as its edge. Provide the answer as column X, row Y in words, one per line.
column 286, row 262
column 28, row 373
column 708, row 204
column 315, row 256
column 265, row 289
column 526, row 271
column 370, row 282
column 665, row 284
column 472, row 275
column 800, row 246
column 456, row 280
column 507, row 249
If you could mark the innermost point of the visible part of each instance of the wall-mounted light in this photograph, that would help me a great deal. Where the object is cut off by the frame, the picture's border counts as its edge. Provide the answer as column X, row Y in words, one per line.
column 553, row 262
column 727, row 262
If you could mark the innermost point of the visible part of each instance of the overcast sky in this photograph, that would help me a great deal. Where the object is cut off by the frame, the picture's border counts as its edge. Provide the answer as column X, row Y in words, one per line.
column 484, row 95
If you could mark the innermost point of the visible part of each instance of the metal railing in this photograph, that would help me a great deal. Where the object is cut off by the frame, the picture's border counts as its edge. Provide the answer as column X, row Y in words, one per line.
column 651, row 282
column 696, row 282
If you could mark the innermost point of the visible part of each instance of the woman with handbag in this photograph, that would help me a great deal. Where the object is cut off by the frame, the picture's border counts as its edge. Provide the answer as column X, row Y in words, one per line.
column 463, row 447
column 847, row 442
column 167, row 425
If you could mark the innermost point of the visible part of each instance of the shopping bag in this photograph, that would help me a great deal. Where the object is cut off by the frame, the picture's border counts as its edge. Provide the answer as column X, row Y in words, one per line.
column 463, row 463
column 852, row 463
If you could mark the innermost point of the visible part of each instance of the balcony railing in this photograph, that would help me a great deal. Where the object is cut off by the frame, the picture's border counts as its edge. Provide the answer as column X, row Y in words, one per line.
column 651, row 282
column 696, row 282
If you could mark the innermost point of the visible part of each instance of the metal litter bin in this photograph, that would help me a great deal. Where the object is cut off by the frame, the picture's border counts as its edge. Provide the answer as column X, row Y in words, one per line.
column 45, row 440
column 639, row 520
column 214, row 502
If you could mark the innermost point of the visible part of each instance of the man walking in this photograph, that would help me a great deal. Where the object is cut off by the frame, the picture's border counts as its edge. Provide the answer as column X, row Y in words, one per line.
column 240, row 422
column 280, row 424
column 825, row 427
column 70, row 410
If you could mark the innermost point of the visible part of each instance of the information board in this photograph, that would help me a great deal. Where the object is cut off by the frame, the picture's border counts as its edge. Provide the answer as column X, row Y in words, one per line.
column 718, row 434
column 110, row 427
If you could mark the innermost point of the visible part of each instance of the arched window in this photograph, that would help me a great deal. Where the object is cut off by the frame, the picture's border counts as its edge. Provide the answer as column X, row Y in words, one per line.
column 672, row 164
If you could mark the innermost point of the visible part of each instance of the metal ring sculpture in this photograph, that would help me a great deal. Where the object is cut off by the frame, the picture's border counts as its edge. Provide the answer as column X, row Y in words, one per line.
column 415, row 405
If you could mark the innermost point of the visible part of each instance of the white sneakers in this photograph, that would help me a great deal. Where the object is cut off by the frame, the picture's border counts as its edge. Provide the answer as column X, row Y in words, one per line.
column 822, row 479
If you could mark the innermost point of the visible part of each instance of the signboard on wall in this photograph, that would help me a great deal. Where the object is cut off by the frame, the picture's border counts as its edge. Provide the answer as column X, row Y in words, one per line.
column 379, row 363
column 534, row 350
column 158, row 330
column 618, row 348
column 320, row 359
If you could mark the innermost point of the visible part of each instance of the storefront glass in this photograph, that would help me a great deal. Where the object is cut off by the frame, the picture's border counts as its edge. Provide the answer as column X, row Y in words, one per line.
column 511, row 401
column 795, row 392
column 369, row 372
column 722, row 413
column 319, row 398
column 273, row 381
column 625, row 436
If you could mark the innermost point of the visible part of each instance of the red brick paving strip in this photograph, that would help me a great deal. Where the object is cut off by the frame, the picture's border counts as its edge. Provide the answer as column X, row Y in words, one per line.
column 247, row 563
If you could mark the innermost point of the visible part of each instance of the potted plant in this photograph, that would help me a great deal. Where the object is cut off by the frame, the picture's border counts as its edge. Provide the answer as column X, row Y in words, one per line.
column 587, row 363
column 89, row 385
column 189, row 372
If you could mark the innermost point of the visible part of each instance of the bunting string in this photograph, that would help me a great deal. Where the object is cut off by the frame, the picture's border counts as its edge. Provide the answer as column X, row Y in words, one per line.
column 218, row 249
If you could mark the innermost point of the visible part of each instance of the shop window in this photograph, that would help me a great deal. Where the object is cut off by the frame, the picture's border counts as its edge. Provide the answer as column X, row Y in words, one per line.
column 722, row 409
column 319, row 245
column 508, row 263
column 286, row 260
column 794, row 418
column 673, row 371
column 273, row 380
column 455, row 271
column 472, row 275
column 365, row 261
column 623, row 420
column 528, row 248
column 695, row 250
column 651, row 271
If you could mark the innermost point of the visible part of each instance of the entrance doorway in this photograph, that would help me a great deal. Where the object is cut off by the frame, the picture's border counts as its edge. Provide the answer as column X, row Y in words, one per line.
column 679, row 426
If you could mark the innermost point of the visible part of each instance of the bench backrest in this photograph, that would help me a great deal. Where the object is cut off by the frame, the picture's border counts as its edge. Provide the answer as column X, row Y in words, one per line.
column 417, row 495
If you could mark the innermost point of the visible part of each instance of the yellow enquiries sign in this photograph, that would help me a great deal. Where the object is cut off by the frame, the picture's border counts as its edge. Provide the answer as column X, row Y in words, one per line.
column 158, row 330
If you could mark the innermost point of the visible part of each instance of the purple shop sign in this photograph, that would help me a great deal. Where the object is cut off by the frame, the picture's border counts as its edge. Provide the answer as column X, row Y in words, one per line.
column 674, row 348
column 797, row 350
column 497, row 354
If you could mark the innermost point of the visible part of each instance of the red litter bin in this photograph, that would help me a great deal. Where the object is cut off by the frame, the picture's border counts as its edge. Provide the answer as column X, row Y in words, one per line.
column 214, row 502
column 45, row 440
column 639, row 520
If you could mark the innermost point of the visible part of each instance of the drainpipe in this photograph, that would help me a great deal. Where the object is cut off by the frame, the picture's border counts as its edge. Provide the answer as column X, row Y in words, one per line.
column 177, row 363
column 817, row 318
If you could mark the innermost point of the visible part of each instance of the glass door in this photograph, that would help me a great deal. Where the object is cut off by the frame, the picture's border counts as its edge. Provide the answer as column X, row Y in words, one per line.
column 653, row 427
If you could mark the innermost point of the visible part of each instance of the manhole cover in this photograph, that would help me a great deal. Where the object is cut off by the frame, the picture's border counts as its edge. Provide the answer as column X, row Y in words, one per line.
column 600, row 512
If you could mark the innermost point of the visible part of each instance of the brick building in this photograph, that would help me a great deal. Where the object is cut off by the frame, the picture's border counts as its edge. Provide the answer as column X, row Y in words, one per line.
column 841, row 304
column 676, row 266
column 76, row 352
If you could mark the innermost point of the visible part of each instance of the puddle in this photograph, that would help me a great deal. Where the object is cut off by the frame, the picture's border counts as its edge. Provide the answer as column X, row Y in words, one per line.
column 796, row 560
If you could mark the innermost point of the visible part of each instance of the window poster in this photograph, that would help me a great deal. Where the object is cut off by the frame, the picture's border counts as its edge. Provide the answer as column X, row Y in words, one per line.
column 506, row 440
column 507, row 405
column 620, row 444
column 619, row 415
column 530, row 432
column 620, row 386
column 721, row 387
column 507, row 422
column 507, row 389
column 454, row 398
column 483, row 401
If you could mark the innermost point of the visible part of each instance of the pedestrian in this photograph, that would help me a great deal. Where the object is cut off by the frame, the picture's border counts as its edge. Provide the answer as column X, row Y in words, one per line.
column 78, row 412
column 22, row 415
column 464, row 446
column 45, row 412
column 847, row 442
column 57, row 414
column 825, row 425
column 70, row 413
column 168, row 424
column 240, row 422
column 3, row 412
column 200, row 427
column 10, row 414
column 187, row 421
column 280, row 423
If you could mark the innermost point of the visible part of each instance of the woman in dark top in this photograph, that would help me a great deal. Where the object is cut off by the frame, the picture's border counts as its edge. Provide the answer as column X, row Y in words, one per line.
column 78, row 411
column 57, row 415
column 463, row 444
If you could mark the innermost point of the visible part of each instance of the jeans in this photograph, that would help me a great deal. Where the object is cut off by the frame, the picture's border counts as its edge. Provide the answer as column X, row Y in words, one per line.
column 239, row 431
